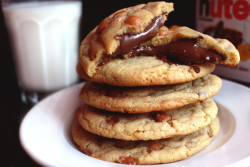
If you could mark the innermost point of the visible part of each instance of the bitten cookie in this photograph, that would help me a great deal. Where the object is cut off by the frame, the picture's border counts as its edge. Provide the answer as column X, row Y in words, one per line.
column 150, row 98
column 120, row 32
column 144, row 152
column 176, row 56
column 149, row 126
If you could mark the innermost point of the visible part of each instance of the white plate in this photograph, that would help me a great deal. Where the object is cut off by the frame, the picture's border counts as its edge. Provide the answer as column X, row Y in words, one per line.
column 45, row 132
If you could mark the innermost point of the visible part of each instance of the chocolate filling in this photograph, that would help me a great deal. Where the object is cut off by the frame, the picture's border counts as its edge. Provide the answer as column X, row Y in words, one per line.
column 185, row 52
column 129, row 41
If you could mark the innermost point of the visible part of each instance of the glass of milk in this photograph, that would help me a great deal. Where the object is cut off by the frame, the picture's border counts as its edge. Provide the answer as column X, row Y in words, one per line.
column 44, row 37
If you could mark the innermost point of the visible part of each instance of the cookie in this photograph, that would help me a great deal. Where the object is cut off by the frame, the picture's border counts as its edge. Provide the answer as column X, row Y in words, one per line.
column 187, row 50
column 144, row 152
column 140, row 31
column 150, row 98
column 145, row 71
column 148, row 126
column 183, row 45
column 180, row 55
column 120, row 32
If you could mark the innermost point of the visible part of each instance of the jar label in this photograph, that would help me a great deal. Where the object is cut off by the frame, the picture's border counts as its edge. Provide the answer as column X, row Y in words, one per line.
column 228, row 19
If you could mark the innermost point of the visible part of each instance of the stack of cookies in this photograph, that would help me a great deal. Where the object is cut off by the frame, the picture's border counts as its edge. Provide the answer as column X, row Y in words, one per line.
column 148, row 95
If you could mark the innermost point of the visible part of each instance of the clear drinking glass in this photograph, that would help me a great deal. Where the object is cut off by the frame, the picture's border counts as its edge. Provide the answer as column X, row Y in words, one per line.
column 44, row 37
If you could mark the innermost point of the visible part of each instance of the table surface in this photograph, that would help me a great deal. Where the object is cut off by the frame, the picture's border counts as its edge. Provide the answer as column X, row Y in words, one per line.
column 13, row 109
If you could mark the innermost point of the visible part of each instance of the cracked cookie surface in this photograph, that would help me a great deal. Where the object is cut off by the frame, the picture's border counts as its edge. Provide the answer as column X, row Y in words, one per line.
column 144, row 152
column 151, row 98
column 148, row 126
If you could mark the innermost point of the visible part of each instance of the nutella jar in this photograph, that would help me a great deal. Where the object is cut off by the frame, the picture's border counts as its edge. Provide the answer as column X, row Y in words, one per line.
column 228, row 19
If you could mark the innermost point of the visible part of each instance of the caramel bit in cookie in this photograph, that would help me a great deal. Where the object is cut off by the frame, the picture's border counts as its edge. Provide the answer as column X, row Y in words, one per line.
column 120, row 13
column 173, row 27
column 96, row 155
column 127, row 160
column 163, row 32
column 102, row 25
column 154, row 146
column 125, row 143
column 133, row 20
column 114, row 119
column 162, row 117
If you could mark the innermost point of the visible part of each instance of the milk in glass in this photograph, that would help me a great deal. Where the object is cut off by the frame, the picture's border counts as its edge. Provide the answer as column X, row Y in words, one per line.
column 44, row 38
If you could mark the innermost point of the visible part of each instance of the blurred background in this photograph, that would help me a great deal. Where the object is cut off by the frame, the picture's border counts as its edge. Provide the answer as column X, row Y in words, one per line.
column 13, row 109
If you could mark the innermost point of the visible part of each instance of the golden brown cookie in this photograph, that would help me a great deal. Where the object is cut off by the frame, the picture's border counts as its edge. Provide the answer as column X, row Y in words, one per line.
column 144, row 152
column 133, row 24
column 115, row 51
column 149, row 98
column 145, row 71
column 149, row 126
column 176, row 56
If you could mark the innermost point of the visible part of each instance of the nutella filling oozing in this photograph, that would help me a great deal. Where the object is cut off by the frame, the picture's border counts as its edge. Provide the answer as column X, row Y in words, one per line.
column 129, row 41
column 185, row 52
